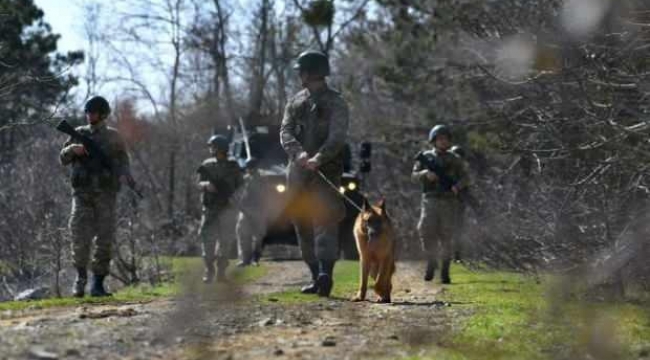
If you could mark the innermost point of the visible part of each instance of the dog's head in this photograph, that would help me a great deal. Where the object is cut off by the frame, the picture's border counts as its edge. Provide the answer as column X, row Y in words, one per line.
column 374, row 219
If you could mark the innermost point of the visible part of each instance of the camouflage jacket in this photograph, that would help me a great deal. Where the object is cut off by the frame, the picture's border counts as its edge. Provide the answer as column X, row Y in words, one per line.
column 225, row 175
column 316, row 123
column 452, row 166
column 87, row 173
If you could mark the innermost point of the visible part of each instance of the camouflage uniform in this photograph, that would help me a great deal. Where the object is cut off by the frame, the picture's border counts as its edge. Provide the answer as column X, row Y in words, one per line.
column 219, row 215
column 316, row 123
column 441, row 208
column 94, row 190
column 252, row 220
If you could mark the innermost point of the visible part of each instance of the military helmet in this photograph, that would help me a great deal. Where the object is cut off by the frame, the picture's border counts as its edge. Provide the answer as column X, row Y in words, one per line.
column 220, row 142
column 458, row 150
column 313, row 62
column 252, row 163
column 97, row 104
column 439, row 130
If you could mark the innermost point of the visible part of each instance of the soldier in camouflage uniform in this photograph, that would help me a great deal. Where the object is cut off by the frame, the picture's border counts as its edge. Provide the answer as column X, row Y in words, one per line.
column 440, row 201
column 218, row 179
column 94, row 193
column 313, row 134
column 252, row 220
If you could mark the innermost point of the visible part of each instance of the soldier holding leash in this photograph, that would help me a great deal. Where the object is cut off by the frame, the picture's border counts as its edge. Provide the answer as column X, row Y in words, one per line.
column 313, row 134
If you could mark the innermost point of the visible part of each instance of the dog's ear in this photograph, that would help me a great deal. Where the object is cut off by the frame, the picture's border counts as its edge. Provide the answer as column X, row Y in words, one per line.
column 382, row 205
column 366, row 205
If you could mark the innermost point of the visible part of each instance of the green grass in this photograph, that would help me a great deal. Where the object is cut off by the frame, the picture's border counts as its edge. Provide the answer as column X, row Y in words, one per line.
column 513, row 316
column 503, row 315
column 181, row 269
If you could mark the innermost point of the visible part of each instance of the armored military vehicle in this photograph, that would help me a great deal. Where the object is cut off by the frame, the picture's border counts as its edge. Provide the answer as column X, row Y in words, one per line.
column 264, row 145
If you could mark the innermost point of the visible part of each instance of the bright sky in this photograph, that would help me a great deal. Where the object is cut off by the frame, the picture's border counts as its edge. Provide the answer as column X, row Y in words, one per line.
column 65, row 18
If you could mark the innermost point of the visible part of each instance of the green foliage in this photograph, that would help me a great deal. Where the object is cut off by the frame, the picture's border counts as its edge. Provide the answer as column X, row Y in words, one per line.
column 483, row 142
column 32, row 75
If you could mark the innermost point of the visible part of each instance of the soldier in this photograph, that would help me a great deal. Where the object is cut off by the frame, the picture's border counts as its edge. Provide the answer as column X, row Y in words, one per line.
column 251, row 223
column 218, row 179
column 313, row 134
column 443, row 176
column 94, row 194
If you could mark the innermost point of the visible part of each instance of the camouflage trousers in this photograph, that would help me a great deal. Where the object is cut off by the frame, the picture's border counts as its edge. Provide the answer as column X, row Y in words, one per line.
column 93, row 218
column 438, row 226
column 217, row 234
column 250, row 232
column 316, row 210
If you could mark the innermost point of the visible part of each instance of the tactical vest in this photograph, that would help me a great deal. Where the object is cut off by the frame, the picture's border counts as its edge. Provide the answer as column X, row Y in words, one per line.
column 88, row 173
column 224, row 175
column 446, row 163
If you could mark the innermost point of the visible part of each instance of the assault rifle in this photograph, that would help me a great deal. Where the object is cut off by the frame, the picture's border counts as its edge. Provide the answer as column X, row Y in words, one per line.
column 447, row 182
column 444, row 180
column 94, row 151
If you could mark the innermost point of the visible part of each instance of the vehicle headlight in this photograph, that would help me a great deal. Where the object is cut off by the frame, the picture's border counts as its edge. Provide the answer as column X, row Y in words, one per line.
column 342, row 189
column 352, row 186
column 280, row 188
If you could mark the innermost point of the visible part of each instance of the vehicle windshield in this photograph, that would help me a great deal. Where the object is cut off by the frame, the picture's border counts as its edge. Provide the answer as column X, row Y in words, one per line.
column 267, row 148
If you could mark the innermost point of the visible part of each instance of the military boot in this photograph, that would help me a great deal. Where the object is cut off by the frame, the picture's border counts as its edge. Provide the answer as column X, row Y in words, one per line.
column 444, row 274
column 325, row 278
column 208, row 276
column 243, row 263
column 256, row 258
column 222, row 265
column 430, row 271
column 79, row 287
column 313, row 287
column 97, row 287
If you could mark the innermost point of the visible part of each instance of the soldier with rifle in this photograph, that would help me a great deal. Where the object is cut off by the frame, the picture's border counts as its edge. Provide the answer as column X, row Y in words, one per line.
column 99, row 164
column 218, row 179
column 444, row 179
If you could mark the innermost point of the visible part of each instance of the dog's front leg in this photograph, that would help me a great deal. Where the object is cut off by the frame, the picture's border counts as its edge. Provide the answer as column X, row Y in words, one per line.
column 363, row 280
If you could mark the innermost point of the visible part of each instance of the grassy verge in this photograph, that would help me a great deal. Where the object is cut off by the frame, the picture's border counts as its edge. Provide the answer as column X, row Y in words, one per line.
column 504, row 315
column 518, row 317
column 180, row 268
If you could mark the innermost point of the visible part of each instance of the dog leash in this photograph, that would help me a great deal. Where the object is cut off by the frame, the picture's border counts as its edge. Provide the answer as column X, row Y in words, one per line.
column 331, row 184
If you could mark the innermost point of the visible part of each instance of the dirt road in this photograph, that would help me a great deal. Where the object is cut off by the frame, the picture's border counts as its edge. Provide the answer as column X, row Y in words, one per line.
column 234, row 323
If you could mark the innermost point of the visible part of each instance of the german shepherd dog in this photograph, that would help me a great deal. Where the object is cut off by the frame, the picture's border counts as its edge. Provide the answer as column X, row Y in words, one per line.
column 375, row 237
